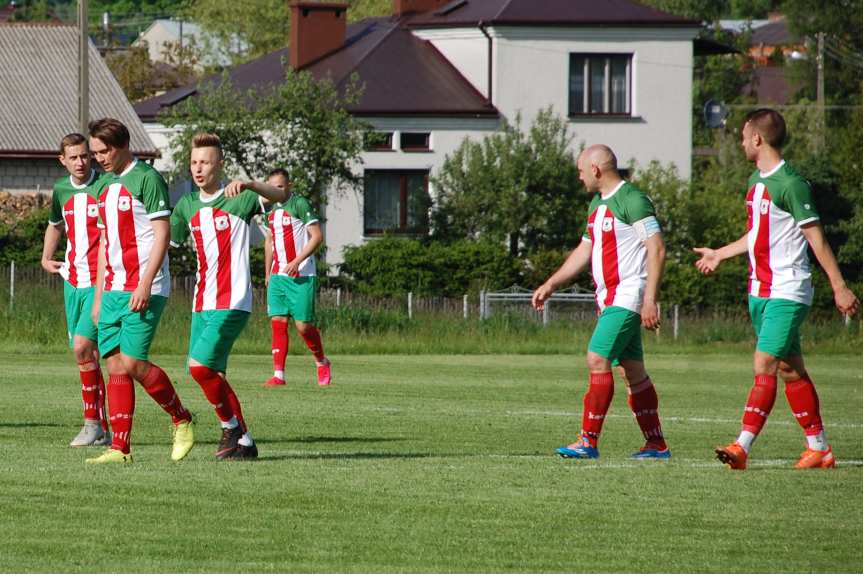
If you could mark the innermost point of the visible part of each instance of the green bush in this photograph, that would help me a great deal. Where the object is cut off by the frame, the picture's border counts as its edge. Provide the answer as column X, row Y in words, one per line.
column 21, row 242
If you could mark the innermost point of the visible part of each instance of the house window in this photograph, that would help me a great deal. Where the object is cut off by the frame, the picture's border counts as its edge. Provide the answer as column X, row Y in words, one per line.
column 396, row 202
column 600, row 84
column 378, row 141
column 416, row 141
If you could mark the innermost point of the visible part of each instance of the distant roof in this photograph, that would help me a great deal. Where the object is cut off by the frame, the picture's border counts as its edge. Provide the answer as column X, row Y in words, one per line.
column 41, row 105
column 739, row 26
column 624, row 13
column 173, row 27
column 776, row 33
column 402, row 75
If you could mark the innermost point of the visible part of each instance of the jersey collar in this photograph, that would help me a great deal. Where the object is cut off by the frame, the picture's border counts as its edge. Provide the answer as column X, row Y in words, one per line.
column 613, row 191
column 86, row 183
column 128, row 167
column 212, row 198
column 772, row 171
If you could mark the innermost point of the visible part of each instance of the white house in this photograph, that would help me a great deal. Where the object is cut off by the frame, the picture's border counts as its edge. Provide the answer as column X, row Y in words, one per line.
column 439, row 71
column 163, row 33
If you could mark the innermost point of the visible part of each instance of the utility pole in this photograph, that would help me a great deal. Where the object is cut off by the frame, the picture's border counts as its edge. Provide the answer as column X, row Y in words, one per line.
column 822, row 123
column 83, row 68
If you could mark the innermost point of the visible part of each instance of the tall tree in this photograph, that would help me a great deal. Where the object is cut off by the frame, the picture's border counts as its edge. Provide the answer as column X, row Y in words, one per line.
column 256, row 29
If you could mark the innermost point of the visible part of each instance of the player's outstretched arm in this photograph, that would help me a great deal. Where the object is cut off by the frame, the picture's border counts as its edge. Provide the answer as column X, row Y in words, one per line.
column 655, row 247
column 269, row 192
column 711, row 258
column 316, row 237
column 846, row 301
column 49, row 248
column 574, row 264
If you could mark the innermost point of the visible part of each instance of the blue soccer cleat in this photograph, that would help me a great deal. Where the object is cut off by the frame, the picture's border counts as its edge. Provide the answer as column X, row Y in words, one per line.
column 580, row 449
column 647, row 452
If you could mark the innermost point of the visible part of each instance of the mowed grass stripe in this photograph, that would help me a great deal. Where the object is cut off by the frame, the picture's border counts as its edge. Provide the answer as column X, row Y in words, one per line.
column 430, row 464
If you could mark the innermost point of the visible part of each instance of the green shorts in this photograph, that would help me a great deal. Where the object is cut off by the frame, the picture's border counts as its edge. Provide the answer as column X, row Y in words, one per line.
column 79, row 304
column 617, row 336
column 213, row 334
column 292, row 297
column 777, row 325
column 121, row 328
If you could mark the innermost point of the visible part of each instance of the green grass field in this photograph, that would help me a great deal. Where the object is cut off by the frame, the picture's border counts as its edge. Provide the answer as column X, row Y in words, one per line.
column 430, row 464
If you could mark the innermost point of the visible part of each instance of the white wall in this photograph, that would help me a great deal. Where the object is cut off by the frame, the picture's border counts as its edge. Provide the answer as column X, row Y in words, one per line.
column 531, row 71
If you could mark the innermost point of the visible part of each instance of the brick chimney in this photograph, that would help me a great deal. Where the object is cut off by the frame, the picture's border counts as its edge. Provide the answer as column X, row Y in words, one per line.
column 317, row 29
column 402, row 7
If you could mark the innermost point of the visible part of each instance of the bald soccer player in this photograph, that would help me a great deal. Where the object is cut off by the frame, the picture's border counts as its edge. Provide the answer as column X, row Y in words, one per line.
column 623, row 243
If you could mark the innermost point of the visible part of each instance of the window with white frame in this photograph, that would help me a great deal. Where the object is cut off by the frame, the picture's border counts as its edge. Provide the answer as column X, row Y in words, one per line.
column 600, row 84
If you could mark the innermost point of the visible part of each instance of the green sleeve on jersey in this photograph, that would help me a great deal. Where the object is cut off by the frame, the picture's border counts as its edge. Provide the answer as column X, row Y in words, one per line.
column 302, row 210
column 180, row 222
column 636, row 206
column 250, row 204
column 796, row 199
column 154, row 193
column 56, row 210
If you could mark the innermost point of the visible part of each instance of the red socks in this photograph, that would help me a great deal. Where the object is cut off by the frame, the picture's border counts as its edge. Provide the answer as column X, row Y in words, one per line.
column 760, row 403
column 214, row 389
column 93, row 393
column 644, row 403
column 600, row 391
column 280, row 344
column 235, row 406
column 159, row 387
column 121, row 405
column 312, row 337
column 804, row 403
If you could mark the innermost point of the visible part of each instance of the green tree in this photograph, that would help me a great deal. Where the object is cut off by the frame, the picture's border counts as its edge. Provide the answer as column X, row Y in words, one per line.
column 300, row 125
column 513, row 186
column 255, row 29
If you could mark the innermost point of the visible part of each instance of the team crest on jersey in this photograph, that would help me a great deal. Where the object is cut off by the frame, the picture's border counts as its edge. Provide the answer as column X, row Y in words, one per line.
column 286, row 220
column 124, row 203
column 765, row 206
column 92, row 210
column 222, row 222
column 607, row 224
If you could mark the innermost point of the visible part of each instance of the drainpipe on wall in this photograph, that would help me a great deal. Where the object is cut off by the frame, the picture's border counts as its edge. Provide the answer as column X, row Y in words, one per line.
column 485, row 33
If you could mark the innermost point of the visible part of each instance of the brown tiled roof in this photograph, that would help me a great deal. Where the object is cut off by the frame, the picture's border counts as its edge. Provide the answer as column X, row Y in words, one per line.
column 624, row 13
column 402, row 75
column 39, row 102
column 776, row 33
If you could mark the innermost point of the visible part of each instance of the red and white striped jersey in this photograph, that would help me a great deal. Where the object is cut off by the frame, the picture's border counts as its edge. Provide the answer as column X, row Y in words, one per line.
column 127, row 204
column 288, row 223
column 219, row 227
column 778, row 204
column 617, row 227
column 77, row 207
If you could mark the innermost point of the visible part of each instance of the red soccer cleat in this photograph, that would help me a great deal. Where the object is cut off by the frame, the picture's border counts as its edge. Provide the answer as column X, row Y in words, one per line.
column 816, row 459
column 274, row 382
column 733, row 455
column 325, row 374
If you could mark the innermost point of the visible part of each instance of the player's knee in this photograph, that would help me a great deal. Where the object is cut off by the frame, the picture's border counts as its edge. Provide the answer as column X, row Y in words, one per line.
column 790, row 373
column 597, row 363
column 83, row 353
column 765, row 364
column 302, row 328
column 135, row 368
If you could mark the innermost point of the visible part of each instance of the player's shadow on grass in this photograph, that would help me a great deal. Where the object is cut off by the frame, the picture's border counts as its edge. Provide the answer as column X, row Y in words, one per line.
column 28, row 425
column 348, row 456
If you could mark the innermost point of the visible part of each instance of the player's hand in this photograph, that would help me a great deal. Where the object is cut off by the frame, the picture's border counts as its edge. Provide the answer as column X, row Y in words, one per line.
column 293, row 268
column 846, row 301
column 540, row 296
column 267, row 280
column 94, row 310
column 51, row 266
column 650, row 315
column 235, row 188
column 140, row 299
column 709, row 260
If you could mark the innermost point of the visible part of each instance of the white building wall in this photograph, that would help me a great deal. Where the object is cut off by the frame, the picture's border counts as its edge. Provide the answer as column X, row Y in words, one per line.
column 466, row 49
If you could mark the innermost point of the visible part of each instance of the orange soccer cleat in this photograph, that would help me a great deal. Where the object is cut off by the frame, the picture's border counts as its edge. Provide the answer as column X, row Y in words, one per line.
column 733, row 455
column 816, row 459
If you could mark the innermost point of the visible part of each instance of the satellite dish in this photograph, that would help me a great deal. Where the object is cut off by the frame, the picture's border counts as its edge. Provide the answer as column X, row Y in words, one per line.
column 715, row 114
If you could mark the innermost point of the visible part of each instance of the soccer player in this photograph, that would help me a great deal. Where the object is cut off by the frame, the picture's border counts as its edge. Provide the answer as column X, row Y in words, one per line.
column 623, row 243
column 132, row 288
column 74, row 209
column 294, row 235
column 783, row 222
column 218, row 220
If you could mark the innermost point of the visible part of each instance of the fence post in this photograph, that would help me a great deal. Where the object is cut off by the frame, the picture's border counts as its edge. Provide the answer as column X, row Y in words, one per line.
column 339, row 297
column 676, row 320
column 464, row 307
column 545, row 312
column 11, row 285
column 847, row 321
column 481, row 305
column 410, row 305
